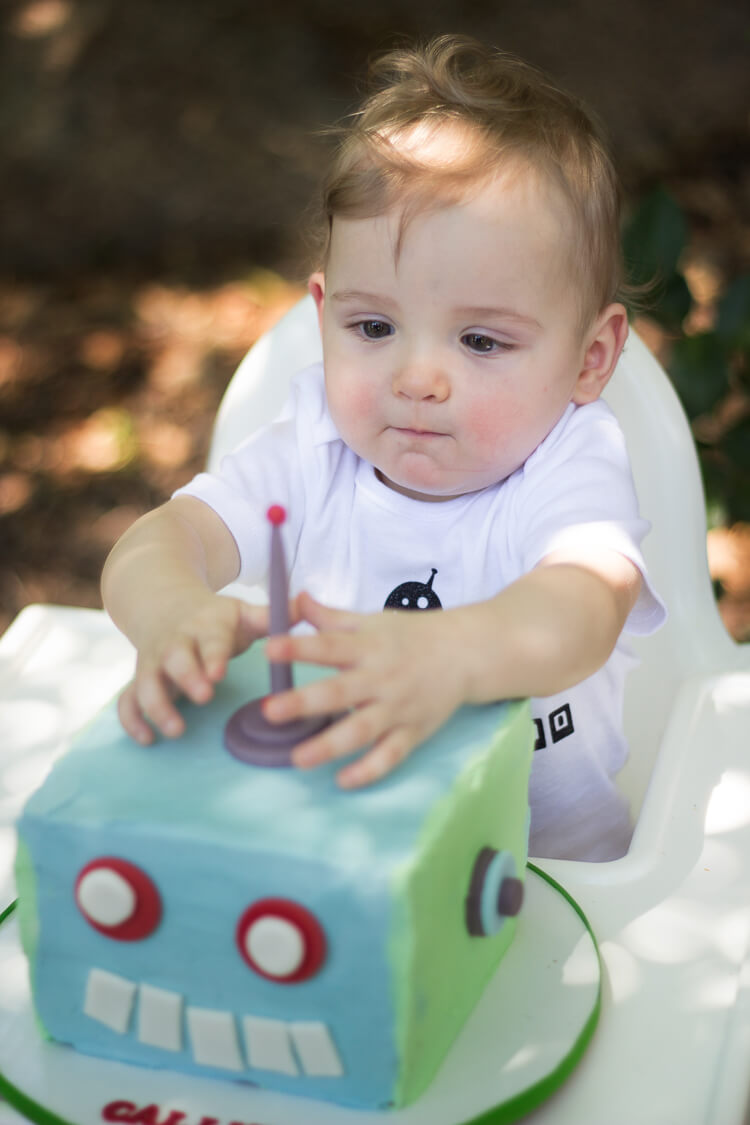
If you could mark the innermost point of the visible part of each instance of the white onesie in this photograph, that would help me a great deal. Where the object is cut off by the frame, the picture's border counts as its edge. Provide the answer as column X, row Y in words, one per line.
column 354, row 543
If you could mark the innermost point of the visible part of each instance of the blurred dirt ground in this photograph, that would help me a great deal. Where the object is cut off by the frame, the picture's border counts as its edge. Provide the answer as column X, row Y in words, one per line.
column 108, row 389
column 157, row 161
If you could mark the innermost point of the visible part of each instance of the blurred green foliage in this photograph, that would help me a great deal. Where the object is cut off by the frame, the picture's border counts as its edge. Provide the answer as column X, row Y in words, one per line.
column 707, row 367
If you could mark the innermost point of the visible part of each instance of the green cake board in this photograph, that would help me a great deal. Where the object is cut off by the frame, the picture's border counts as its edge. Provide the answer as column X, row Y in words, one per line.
column 521, row 1042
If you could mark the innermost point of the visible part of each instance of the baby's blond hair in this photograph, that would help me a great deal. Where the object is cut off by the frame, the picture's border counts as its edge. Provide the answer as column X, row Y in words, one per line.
column 511, row 116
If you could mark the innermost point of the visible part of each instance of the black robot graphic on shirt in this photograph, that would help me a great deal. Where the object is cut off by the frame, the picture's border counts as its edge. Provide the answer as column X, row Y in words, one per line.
column 414, row 595
column 420, row 595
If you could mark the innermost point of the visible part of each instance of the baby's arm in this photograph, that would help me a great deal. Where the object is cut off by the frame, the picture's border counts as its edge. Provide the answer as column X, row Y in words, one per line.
column 563, row 618
column 402, row 674
column 159, row 586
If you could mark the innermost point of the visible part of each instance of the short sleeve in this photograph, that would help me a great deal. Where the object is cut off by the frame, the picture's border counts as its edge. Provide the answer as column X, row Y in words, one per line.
column 268, row 468
column 576, row 491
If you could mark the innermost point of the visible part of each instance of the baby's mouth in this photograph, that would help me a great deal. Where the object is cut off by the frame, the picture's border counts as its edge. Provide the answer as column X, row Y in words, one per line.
column 412, row 432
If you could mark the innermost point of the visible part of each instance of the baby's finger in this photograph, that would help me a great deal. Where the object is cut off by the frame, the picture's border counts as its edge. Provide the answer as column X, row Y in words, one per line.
column 333, row 650
column 156, row 704
column 132, row 718
column 388, row 753
column 253, row 623
column 184, row 667
column 357, row 729
column 213, row 653
column 323, row 616
column 328, row 696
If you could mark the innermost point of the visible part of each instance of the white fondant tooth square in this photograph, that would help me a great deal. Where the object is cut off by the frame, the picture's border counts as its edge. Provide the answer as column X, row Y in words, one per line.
column 159, row 1017
column 214, row 1040
column 268, row 1045
column 316, row 1050
column 109, row 999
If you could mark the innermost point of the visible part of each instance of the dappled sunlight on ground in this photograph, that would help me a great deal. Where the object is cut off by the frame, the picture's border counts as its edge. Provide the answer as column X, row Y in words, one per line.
column 729, row 562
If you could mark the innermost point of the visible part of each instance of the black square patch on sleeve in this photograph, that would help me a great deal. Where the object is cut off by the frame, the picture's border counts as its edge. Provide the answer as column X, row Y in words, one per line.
column 561, row 723
column 541, row 741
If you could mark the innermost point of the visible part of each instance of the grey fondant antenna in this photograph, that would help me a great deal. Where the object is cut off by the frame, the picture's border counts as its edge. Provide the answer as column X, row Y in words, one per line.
column 248, row 735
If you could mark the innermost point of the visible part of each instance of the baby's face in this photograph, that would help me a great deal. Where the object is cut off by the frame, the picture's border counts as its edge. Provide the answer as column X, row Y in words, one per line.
column 448, row 364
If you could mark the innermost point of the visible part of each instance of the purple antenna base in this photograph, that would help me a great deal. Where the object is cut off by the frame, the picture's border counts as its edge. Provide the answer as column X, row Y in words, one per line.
column 250, row 737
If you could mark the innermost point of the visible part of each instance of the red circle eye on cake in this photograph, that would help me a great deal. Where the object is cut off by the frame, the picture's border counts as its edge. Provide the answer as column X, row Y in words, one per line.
column 281, row 940
column 118, row 899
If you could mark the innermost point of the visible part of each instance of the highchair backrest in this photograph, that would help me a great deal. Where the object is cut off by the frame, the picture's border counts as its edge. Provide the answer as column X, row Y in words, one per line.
column 667, row 478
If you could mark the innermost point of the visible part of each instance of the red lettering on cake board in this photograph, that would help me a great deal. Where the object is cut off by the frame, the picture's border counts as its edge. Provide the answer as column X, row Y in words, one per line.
column 126, row 1111
column 149, row 1115
column 114, row 1111
column 130, row 1113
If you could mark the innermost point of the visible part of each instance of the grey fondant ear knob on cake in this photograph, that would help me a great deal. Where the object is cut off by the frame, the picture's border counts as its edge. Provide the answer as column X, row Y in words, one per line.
column 495, row 893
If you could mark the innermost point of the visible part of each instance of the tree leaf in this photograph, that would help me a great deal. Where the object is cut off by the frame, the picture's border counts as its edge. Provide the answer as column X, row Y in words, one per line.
column 736, row 445
column 733, row 321
column 672, row 302
column 698, row 369
column 738, row 500
column 654, row 237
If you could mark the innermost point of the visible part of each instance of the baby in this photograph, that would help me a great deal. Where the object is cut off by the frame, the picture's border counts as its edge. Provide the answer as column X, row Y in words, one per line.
column 452, row 451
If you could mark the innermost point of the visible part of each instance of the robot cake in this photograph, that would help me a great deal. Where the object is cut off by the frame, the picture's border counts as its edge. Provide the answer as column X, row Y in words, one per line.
column 197, row 907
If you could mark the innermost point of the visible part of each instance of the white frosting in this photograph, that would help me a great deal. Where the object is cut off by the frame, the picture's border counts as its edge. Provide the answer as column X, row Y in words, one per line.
column 317, row 1051
column 268, row 1045
column 214, row 1038
column 276, row 946
column 106, row 897
column 160, row 1017
column 109, row 999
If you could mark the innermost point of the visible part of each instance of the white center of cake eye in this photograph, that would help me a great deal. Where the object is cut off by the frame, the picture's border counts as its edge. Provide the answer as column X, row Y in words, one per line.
column 105, row 897
column 275, row 945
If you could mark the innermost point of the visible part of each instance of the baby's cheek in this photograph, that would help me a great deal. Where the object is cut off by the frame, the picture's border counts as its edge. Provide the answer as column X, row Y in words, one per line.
column 499, row 434
column 490, row 426
column 351, row 407
column 361, row 400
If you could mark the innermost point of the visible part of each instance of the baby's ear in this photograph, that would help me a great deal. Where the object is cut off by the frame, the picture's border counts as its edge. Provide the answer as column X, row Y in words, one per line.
column 605, row 341
column 316, row 285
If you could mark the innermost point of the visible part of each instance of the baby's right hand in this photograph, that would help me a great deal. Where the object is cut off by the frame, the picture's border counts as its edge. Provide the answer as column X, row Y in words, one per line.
column 186, row 657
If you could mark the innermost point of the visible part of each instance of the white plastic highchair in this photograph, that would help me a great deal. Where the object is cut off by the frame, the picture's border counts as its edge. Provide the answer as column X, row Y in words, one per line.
column 672, row 917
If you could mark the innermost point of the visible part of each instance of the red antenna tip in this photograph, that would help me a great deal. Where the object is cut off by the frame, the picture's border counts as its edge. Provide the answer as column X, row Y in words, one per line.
column 276, row 514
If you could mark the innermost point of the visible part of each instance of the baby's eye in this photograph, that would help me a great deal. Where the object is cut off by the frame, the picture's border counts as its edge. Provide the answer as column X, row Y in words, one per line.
column 481, row 344
column 375, row 329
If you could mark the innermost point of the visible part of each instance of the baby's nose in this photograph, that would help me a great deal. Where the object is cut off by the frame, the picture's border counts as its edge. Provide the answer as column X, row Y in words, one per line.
column 422, row 379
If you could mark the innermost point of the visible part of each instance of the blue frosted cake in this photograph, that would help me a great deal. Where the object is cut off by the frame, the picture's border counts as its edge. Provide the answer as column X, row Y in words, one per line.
column 182, row 909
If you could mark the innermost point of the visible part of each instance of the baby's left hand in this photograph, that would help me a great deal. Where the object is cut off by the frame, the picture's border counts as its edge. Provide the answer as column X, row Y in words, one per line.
column 399, row 680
